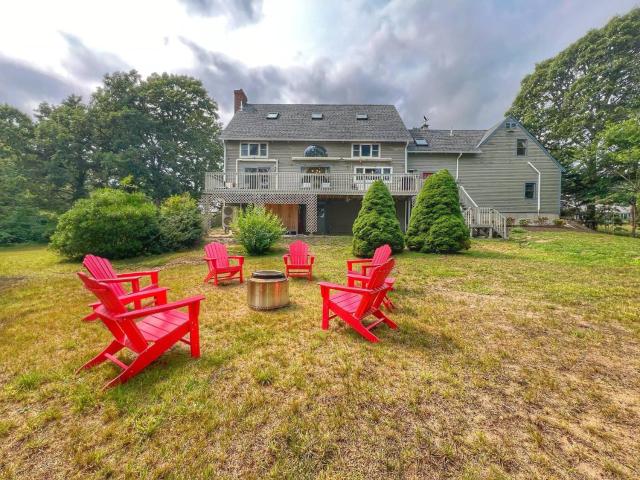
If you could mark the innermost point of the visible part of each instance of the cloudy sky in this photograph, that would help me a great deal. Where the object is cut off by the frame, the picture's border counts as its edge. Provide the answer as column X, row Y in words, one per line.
column 459, row 62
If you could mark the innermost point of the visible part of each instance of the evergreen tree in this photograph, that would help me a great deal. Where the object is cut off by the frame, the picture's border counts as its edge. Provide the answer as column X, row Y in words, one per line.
column 436, row 223
column 377, row 223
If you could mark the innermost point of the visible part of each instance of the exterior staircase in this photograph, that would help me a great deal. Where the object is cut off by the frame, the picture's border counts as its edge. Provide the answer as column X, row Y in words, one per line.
column 485, row 221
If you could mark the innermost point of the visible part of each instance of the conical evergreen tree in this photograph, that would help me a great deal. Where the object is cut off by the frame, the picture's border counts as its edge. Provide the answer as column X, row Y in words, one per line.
column 436, row 223
column 377, row 222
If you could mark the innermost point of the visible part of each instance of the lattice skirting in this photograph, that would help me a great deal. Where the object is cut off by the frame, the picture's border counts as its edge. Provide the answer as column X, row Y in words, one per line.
column 235, row 197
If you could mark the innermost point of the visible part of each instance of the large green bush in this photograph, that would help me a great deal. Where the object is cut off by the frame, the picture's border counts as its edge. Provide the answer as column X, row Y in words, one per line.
column 21, row 224
column 436, row 223
column 257, row 229
column 377, row 222
column 110, row 223
column 180, row 222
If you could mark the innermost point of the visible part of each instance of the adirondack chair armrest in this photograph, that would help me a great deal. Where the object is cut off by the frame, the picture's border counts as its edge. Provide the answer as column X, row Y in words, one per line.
column 144, row 312
column 153, row 274
column 351, row 263
column 239, row 258
column 312, row 258
column 160, row 294
column 118, row 280
column 327, row 286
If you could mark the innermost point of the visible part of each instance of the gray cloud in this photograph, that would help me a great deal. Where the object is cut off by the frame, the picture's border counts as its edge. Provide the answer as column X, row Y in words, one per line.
column 461, row 66
column 25, row 86
column 86, row 64
column 238, row 12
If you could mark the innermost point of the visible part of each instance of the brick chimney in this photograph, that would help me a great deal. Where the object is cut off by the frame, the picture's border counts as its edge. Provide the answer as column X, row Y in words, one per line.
column 239, row 99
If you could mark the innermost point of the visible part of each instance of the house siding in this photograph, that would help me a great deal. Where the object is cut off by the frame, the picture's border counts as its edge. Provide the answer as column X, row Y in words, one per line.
column 284, row 151
column 496, row 177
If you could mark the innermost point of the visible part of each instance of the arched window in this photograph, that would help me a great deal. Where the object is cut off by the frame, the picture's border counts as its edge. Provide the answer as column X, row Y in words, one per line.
column 315, row 151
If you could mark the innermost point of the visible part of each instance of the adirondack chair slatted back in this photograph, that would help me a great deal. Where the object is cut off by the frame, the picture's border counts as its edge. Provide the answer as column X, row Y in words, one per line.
column 381, row 255
column 299, row 252
column 219, row 252
column 112, row 306
column 101, row 268
column 376, row 282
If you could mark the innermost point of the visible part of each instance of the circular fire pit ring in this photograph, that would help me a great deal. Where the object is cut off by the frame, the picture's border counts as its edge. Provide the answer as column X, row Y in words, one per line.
column 267, row 290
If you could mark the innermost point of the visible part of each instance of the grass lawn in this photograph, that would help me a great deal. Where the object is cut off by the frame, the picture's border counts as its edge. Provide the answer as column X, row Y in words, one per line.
column 518, row 359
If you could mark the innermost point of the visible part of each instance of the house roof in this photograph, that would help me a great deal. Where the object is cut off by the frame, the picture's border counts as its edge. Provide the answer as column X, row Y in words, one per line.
column 339, row 123
column 446, row 141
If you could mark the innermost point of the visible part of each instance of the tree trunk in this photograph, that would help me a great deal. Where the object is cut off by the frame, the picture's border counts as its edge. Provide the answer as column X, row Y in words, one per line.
column 634, row 217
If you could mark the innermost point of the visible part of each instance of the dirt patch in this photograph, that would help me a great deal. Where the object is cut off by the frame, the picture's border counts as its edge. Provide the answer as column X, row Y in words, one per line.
column 7, row 282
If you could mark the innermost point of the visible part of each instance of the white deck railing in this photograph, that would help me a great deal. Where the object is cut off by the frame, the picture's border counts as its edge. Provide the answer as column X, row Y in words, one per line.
column 320, row 183
column 488, row 218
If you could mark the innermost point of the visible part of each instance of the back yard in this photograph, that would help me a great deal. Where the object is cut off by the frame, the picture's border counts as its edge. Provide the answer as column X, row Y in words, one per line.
column 517, row 359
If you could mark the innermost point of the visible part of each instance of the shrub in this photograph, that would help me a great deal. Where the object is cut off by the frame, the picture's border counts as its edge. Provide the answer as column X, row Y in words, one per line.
column 447, row 234
column 542, row 220
column 25, row 224
column 110, row 223
column 558, row 222
column 511, row 221
column 180, row 222
column 523, row 222
column 257, row 229
column 377, row 223
column 437, row 200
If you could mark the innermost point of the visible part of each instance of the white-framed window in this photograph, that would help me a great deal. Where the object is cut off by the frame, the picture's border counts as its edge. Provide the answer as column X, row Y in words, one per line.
column 249, row 150
column 510, row 125
column 371, row 150
column 364, row 176
column 521, row 147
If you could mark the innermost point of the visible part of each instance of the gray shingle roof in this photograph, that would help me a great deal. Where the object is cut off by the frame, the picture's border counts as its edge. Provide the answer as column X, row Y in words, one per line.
column 446, row 141
column 295, row 123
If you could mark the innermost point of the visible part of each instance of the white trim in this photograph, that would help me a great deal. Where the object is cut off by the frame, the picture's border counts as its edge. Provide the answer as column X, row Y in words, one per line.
column 224, row 159
column 406, row 157
column 344, row 159
column 256, row 142
column 458, row 166
column 539, row 186
column 371, row 145
column 257, row 160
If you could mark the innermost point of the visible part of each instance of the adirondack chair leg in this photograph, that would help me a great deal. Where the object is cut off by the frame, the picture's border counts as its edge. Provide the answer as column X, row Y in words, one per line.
column 215, row 279
column 194, row 330
column 241, row 279
column 113, row 348
column 390, row 323
column 208, row 277
column 388, row 303
column 325, row 314
column 362, row 330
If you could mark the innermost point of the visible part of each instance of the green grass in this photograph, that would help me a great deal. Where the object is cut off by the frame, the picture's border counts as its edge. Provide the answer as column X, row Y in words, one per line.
column 517, row 359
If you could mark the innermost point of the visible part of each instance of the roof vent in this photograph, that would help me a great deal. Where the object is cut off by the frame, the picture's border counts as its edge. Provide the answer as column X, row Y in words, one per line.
column 362, row 116
column 317, row 116
column 273, row 115
column 421, row 142
column 451, row 132
column 510, row 125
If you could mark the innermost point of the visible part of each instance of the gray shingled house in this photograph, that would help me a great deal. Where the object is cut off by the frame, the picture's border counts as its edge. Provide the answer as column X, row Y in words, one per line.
column 311, row 164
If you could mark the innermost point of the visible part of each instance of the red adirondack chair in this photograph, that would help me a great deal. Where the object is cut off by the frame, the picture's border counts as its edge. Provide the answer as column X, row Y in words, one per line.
column 147, row 332
column 298, row 262
column 354, row 304
column 219, row 267
column 380, row 256
column 102, row 270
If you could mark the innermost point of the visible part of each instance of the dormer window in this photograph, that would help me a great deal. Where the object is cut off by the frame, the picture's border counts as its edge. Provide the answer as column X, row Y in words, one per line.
column 421, row 142
column 362, row 116
column 273, row 115
column 317, row 116
column 366, row 150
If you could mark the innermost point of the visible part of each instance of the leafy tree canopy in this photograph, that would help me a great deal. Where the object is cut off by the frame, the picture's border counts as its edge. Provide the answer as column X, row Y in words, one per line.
column 570, row 98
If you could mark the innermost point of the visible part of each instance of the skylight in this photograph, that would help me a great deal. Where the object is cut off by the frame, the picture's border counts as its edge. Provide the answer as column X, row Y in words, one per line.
column 421, row 141
column 273, row 115
column 317, row 116
column 362, row 116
